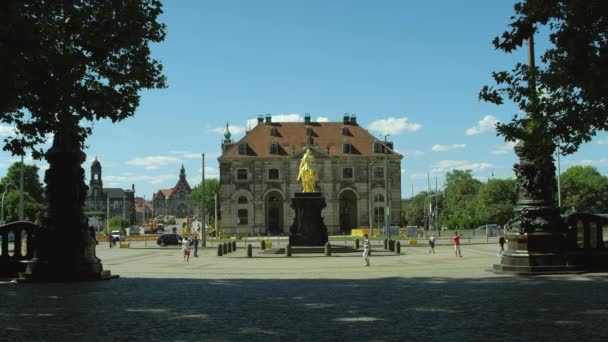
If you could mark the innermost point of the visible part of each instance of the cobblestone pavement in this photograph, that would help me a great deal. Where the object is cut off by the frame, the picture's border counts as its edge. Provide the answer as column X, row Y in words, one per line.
column 412, row 297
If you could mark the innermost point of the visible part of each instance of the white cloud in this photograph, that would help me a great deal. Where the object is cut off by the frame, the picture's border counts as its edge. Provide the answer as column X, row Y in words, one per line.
column 487, row 124
column 418, row 176
column 441, row 148
column 187, row 154
column 413, row 153
column 128, row 179
column 232, row 128
column 449, row 165
column 393, row 126
column 6, row 130
column 602, row 141
column 593, row 162
column 153, row 162
column 322, row 119
column 210, row 172
column 505, row 148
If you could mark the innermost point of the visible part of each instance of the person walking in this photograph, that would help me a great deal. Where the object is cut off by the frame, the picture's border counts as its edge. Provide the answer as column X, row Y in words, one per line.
column 456, row 242
column 432, row 244
column 186, row 249
column 195, row 245
column 366, row 249
column 501, row 242
column 110, row 240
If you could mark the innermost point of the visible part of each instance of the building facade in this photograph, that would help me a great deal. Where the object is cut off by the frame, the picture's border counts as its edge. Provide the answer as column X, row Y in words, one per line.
column 108, row 202
column 176, row 201
column 359, row 176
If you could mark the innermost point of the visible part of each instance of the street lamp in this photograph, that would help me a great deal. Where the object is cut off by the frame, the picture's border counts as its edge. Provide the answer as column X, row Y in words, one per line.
column 386, row 187
column 3, row 194
column 370, row 198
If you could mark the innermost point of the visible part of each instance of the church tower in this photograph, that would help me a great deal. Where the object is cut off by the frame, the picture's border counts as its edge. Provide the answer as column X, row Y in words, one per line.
column 96, row 186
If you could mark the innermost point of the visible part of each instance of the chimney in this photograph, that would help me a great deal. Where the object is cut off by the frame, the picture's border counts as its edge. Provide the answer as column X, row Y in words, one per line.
column 133, row 187
column 346, row 119
column 260, row 119
column 307, row 119
column 268, row 119
column 353, row 119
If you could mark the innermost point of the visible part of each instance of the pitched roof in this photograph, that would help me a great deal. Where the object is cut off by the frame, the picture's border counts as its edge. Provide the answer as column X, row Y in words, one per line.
column 292, row 137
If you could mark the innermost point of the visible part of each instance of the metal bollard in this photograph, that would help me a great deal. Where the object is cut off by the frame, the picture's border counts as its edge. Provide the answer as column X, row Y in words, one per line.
column 225, row 248
column 234, row 246
column 391, row 245
column 385, row 243
column 229, row 247
column 398, row 247
column 356, row 243
column 327, row 249
column 262, row 245
column 249, row 251
column 219, row 250
column 288, row 250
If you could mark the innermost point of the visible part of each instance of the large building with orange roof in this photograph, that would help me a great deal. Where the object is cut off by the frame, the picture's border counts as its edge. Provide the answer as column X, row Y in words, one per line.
column 176, row 201
column 258, row 176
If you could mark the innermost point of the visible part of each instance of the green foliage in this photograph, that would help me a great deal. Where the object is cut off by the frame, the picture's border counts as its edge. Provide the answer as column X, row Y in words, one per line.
column 31, row 180
column 495, row 201
column 585, row 189
column 212, row 187
column 459, row 204
column 31, row 207
column 119, row 222
column 572, row 81
column 74, row 61
column 416, row 210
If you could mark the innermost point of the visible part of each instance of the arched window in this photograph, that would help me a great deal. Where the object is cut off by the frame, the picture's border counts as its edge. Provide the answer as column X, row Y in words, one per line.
column 242, row 200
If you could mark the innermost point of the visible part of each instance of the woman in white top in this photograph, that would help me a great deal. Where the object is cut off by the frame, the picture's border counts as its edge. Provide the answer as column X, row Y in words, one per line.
column 366, row 248
column 186, row 249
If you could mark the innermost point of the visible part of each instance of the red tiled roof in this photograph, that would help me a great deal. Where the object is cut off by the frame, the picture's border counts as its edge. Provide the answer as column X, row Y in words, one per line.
column 291, row 137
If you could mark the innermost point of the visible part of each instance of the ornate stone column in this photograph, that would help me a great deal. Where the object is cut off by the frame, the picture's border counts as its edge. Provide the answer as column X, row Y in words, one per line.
column 64, row 244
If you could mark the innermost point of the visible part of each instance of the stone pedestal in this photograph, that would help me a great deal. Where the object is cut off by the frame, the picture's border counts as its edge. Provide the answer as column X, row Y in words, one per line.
column 308, row 228
column 64, row 244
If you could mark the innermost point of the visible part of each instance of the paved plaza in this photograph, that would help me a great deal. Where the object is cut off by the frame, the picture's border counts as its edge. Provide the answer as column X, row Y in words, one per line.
column 412, row 297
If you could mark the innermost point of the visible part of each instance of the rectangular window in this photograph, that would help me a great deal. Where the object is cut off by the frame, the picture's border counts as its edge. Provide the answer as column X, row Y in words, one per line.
column 378, row 147
column 379, row 172
column 273, row 174
column 242, row 148
column 241, row 174
column 274, row 148
column 243, row 216
column 378, row 217
column 347, row 173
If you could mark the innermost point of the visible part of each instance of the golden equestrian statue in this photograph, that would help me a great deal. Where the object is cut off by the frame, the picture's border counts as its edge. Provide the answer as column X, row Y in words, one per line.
column 308, row 172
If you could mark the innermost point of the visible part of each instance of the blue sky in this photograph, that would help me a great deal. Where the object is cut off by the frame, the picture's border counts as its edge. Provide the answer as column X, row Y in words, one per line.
column 408, row 68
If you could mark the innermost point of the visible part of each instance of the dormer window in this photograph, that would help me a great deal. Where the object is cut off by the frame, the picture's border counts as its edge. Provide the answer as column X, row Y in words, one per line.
column 308, row 131
column 273, row 148
column 378, row 147
column 344, row 130
column 273, row 131
column 243, row 148
column 346, row 147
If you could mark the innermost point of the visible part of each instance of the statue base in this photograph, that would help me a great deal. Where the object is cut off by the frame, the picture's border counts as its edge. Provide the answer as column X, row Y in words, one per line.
column 308, row 228
column 535, row 253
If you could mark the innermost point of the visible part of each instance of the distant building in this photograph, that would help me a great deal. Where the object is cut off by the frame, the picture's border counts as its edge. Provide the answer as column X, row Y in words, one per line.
column 143, row 210
column 258, row 176
column 176, row 201
column 121, row 202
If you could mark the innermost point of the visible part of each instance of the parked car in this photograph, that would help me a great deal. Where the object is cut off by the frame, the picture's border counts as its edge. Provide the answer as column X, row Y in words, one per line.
column 169, row 239
column 116, row 235
column 134, row 230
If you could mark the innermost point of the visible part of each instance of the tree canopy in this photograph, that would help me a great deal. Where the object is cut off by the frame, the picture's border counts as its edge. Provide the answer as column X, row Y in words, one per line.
column 584, row 189
column 65, row 61
column 31, row 180
column 212, row 187
column 569, row 103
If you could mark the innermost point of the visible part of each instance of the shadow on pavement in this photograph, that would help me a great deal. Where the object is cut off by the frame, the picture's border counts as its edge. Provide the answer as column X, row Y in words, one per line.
column 387, row 309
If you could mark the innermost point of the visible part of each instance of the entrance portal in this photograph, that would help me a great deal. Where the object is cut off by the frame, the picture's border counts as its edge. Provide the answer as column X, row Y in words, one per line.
column 274, row 214
column 348, row 211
